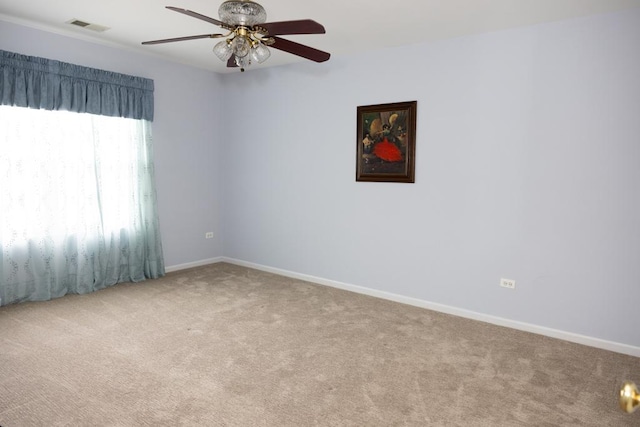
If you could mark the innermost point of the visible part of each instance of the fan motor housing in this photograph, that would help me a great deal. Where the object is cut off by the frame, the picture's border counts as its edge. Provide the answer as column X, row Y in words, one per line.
column 242, row 12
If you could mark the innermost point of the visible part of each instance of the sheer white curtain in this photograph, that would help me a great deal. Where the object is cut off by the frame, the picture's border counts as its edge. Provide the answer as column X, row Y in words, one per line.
column 77, row 203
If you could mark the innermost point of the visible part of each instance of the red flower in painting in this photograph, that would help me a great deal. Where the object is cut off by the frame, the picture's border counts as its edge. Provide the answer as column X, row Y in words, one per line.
column 387, row 151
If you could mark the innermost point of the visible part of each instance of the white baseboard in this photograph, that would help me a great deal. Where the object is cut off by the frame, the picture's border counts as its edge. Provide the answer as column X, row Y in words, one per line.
column 527, row 327
column 193, row 264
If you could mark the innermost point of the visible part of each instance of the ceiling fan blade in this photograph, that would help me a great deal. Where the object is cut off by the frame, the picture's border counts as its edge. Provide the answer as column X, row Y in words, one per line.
column 300, row 50
column 303, row 26
column 197, row 15
column 231, row 62
column 179, row 39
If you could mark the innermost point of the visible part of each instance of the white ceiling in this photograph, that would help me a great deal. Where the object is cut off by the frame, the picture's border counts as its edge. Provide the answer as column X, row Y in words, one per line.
column 352, row 25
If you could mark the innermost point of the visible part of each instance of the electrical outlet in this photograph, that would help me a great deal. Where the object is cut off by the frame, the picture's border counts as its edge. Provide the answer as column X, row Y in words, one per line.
column 208, row 235
column 508, row 283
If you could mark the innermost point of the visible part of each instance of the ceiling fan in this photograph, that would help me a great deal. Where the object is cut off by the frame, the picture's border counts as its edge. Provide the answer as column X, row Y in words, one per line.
column 249, row 35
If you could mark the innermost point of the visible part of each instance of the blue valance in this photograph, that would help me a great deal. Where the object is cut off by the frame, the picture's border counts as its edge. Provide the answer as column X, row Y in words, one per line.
column 29, row 81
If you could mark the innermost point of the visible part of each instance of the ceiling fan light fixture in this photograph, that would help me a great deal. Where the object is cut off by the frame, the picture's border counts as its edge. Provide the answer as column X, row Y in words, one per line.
column 260, row 53
column 243, row 62
column 242, row 12
column 223, row 50
column 240, row 46
column 249, row 34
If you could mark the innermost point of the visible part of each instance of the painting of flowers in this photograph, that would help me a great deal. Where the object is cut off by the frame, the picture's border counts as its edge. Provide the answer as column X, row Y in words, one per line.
column 386, row 142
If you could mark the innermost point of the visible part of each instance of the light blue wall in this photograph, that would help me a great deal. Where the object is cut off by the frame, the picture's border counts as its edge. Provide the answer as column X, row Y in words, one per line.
column 185, row 131
column 528, row 167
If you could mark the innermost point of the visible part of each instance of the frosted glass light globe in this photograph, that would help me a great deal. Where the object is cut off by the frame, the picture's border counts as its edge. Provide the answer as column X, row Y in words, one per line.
column 222, row 50
column 241, row 46
column 260, row 53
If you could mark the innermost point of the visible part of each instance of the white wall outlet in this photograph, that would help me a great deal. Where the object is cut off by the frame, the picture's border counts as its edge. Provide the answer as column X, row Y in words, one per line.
column 208, row 235
column 508, row 283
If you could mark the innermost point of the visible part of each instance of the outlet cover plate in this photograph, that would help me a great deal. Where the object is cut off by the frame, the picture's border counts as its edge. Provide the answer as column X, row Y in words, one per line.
column 508, row 283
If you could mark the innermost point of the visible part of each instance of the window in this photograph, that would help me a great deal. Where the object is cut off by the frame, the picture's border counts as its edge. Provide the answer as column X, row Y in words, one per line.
column 64, row 173
column 77, row 195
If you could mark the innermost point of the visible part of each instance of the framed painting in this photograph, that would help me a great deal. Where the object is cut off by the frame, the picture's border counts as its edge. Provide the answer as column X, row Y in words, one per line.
column 386, row 142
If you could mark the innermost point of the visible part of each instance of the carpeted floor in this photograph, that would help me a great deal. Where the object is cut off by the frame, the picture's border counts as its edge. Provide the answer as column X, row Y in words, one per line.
column 224, row 345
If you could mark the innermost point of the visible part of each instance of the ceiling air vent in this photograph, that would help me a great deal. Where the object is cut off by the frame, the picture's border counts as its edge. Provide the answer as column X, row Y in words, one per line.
column 87, row 25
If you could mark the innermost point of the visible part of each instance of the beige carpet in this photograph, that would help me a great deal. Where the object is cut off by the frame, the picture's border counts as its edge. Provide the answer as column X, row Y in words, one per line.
column 224, row 345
